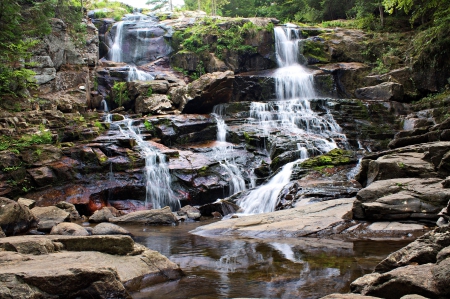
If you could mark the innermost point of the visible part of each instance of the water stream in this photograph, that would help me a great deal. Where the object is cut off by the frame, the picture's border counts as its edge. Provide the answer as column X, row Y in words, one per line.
column 157, row 177
column 290, row 114
column 243, row 268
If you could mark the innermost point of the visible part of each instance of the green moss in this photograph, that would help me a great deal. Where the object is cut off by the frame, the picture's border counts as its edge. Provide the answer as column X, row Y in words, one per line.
column 315, row 50
column 333, row 158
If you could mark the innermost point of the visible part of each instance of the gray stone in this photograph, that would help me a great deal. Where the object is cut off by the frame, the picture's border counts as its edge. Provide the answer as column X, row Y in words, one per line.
column 49, row 217
column 387, row 91
column 70, row 208
column 155, row 104
column 69, row 229
column 43, row 176
column 102, row 215
column 403, row 281
column 29, row 203
column 156, row 216
column 15, row 218
column 402, row 199
column 190, row 212
column 109, row 229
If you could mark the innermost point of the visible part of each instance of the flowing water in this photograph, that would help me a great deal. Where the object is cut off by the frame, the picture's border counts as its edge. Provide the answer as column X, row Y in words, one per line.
column 241, row 268
column 158, row 180
column 291, row 115
column 224, row 153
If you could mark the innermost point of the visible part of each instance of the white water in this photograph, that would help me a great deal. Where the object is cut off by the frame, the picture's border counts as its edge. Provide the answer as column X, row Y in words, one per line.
column 290, row 114
column 264, row 198
column 115, row 53
column 158, row 180
column 223, row 152
column 135, row 74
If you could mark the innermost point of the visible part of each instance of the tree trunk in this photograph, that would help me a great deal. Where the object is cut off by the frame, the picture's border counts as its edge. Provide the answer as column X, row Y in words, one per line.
column 380, row 7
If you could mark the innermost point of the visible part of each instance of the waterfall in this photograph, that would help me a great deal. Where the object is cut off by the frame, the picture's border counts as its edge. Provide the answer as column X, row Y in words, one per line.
column 292, row 115
column 104, row 107
column 135, row 74
column 223, row 152
column 115, row 53
column 158, row 180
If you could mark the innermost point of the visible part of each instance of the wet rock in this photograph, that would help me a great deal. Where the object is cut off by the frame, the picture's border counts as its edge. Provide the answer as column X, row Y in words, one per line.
column 43, row 176
column 300, row 221
column 388, row 91
column 15, row 218
column 49, row 217
column 190, row 212
column 348, row 296
column 203, row 94
column 155, row 104
column 422, row 251
column 69, row 229
column 109, row 229
column 2, row 234
column 156, row 216
column 348, row 76
column 78, row 281
column 402, row 199
column 29, row 203
column 219, row 208
column 400, row 165
column 102, row 215
column 137, row 267
column 70, row 208
column 405, row 280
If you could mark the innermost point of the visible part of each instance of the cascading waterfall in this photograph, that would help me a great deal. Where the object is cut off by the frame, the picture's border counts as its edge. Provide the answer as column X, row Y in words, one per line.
column 223, row 152
column 135, row 74
column 115, row 53
column 292, row 115
column 158, row 181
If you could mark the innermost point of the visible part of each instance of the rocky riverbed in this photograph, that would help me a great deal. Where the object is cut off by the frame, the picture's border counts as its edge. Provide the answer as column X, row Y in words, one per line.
column 364, row 163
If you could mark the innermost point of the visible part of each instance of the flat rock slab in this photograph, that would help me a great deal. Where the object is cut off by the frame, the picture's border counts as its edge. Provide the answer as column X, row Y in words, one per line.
column 296, row 222
column 135, row 272
column 331, row 219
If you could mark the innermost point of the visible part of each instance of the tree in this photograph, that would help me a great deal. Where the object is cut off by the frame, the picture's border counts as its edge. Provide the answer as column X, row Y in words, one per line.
column 159, row 4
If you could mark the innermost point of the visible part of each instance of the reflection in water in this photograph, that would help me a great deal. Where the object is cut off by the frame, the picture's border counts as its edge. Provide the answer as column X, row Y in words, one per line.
column 233, row 268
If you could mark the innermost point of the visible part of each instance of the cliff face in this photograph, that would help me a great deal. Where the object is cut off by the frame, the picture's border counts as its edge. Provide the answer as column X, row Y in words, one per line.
column 63, row 65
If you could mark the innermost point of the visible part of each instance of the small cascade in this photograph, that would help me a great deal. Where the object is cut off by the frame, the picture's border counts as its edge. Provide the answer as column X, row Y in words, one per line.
column 115, row 53
column 224, row 151
column 158, row 180
column 135, row 74
column 104, row 107
column 290, row 115
column 264, row 198
column 138, row 39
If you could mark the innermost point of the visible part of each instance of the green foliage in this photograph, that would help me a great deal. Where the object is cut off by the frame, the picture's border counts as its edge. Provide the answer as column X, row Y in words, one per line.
column 222, row 38
column 120, row 92
column 380, row 68
column 333, row 158
column 149, row 91
column 44, row 136
column 111, row 9
column 148, row 125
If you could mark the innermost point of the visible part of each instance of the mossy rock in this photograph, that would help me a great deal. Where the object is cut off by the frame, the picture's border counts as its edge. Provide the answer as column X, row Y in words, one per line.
column 333, row 158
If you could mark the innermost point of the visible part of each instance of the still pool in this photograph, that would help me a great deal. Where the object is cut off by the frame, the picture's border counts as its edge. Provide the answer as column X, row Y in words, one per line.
column 248, row 268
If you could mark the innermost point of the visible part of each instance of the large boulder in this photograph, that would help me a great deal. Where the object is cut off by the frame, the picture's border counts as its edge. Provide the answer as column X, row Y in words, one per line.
column 424, row 250
column 69, row 229
column 403, row 281
column 109, row 229
column 203, row 94
column 154, row 104
column 49, row 217
column 156, row 216
column 94, row 266
column 15, row 218
column 102, row 215
column 388, row 91
column 401, row 199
